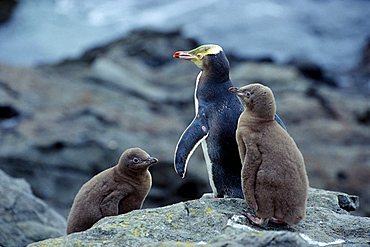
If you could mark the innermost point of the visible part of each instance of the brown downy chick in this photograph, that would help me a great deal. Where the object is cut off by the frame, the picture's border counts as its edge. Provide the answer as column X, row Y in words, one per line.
column 274, row 179
column 117, row 190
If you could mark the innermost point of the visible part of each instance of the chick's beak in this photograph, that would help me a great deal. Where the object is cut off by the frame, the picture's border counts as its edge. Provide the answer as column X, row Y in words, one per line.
column 151, row 160
column 183, row 55
column 236, row 91
column 233, row 90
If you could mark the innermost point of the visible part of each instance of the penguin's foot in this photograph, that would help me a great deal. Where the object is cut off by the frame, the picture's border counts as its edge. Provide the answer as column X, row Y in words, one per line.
column 278, row 221
column 208, row 196
column 254, row 220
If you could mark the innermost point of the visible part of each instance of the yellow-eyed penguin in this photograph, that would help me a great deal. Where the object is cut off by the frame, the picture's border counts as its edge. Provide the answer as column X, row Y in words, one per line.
column 214, row 125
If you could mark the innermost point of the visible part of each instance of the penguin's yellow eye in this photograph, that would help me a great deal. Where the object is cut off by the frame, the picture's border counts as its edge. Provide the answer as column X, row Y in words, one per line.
column 200, row 55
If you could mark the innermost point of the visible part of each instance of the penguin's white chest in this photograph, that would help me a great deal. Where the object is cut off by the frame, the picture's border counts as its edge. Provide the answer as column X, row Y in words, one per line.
column 196, row 103
column 209, row 166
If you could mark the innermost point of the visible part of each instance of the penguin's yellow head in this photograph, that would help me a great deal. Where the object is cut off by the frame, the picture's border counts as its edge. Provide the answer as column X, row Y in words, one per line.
column 196, row 55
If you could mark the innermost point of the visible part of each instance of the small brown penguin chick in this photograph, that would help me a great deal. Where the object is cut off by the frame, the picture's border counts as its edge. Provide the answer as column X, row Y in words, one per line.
column 274, row 179
column 117, row 190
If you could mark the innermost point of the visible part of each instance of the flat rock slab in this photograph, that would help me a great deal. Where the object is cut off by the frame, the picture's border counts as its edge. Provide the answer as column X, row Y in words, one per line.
column 220, row 222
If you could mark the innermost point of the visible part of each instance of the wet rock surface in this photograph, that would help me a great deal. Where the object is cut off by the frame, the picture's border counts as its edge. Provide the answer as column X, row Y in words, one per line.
column 63, row 123
column 24, row 218
column 220, row 222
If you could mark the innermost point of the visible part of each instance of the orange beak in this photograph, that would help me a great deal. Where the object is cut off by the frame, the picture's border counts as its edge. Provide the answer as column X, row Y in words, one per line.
column 183, row 55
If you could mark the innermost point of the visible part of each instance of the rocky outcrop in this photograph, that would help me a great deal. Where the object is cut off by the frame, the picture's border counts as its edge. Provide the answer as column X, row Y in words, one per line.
column 61, row 124
column 6, row 10
column 220, row 222
column 23, row 217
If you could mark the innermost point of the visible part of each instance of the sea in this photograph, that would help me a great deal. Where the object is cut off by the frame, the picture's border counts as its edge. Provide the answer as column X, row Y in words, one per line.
column 331, row 33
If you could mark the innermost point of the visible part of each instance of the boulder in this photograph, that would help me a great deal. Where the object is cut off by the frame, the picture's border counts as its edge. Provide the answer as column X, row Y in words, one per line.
column 24, row 218
column 220, row 222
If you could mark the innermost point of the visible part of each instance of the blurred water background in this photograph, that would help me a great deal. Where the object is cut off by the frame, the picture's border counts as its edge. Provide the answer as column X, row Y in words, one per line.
column 328, row 32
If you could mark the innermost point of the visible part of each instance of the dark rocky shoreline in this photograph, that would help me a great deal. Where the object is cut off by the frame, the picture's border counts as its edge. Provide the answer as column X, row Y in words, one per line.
column 62, row 123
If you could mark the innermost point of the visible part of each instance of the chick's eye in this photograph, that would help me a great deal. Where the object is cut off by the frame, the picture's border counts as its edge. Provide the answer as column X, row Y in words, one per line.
column 135, row 160
column 248, row 94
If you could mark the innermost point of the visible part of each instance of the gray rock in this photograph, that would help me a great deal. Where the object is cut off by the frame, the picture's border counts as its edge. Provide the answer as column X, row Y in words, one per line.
column 23, row 217
column 6, row 10
column 349, row 203
column 220, row 222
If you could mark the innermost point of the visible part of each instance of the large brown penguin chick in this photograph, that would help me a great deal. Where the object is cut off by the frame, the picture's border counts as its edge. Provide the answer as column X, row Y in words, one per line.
column 117, row 190
column 274, row 179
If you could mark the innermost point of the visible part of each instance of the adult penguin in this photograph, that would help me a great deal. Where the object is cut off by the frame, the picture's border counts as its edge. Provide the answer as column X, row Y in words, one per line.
column 216, row 116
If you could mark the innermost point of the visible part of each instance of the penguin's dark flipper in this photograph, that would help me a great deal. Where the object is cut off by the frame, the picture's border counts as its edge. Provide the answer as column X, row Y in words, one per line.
column 279, row 121
column 193, row 135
